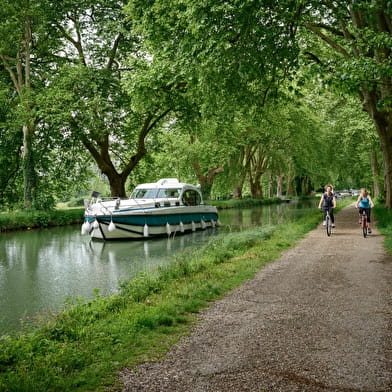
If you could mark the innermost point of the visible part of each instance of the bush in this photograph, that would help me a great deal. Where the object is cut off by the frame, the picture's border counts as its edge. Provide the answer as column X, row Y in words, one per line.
column 35, row 219
column 384, row 224
column 76, row 202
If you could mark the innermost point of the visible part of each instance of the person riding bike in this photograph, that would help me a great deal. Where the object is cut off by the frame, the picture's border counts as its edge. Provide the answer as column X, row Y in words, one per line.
column 364, row 203
column 328, row 203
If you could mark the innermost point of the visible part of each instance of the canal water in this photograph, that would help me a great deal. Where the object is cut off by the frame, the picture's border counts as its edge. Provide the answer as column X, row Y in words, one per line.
column 42, row 269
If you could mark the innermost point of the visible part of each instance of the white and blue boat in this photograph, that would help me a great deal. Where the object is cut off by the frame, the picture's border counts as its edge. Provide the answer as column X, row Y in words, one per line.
column 155, row 209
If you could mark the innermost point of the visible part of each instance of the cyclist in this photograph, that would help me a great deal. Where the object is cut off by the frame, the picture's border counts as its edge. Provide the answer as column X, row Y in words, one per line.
column 328, row 203
column 364, row 203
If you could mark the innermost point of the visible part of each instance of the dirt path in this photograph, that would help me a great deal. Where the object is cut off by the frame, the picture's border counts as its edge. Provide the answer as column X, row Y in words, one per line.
column 317, row 319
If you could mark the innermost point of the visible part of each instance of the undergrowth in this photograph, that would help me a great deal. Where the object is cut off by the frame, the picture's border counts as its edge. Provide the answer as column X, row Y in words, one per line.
column 22, row 220
column 383, row 216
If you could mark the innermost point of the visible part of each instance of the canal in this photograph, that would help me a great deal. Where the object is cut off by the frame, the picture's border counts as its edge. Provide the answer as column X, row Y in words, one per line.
column 42, row 269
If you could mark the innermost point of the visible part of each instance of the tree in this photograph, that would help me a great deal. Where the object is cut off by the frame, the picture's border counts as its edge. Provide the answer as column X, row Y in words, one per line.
column 11, row 140
column 16, row 53
column 87, row 98
column 360, row 34
column 29, row 53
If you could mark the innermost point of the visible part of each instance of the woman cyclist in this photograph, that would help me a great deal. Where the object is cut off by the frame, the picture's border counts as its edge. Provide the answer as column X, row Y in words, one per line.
column 364, row 203
column 328, row 203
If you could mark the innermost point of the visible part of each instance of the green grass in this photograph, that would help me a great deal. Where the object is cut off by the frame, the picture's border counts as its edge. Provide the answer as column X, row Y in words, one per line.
column 383, row 216
column 22, row 220
column 242, row 203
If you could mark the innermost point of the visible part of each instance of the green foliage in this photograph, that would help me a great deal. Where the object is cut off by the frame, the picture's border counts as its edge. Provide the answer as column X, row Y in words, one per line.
column 234, row 102
column 234, row 203
column 383, row 216
column 35, row 219
column 11, row 191
column 76, row 202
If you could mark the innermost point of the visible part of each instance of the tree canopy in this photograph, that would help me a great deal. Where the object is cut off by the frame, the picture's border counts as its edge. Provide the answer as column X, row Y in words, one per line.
column 244, row 97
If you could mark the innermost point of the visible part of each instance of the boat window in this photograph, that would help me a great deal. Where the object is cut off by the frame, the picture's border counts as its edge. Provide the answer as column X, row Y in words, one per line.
column 191, row 198
column 144, row 194
column 168, row 192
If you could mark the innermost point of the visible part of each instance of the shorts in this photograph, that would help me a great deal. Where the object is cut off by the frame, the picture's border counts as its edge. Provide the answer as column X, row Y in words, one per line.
column 367, row 211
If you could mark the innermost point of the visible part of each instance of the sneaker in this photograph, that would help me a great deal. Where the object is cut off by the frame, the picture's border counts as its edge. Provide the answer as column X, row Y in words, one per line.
column 369, row 230
column 333, row 224
column 324, row 223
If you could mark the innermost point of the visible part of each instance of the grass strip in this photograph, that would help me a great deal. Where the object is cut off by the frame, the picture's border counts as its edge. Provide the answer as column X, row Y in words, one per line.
column 383, row 216
column 246, row 203
column 22, row 220
column 84, row 347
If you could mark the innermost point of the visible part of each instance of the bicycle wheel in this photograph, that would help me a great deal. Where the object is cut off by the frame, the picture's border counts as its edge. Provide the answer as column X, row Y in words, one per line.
column 328, row 225
column 364, row 226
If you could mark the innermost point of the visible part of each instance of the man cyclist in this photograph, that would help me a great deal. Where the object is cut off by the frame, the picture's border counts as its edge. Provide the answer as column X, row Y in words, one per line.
column 364, row 203
column 328, row 203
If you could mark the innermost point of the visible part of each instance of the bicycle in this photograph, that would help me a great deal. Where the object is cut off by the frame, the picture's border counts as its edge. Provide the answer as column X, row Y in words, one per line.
column 364, row 223
column 328, row 224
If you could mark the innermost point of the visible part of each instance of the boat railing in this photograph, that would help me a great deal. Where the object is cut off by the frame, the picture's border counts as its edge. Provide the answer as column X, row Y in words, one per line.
column 156, row 202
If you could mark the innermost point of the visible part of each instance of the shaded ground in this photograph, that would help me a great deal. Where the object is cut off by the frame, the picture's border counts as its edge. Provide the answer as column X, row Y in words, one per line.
column 317, row 319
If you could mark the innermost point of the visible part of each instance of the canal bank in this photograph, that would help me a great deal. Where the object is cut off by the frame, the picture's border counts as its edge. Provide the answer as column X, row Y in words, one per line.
column 85, row 346
column 31, row 219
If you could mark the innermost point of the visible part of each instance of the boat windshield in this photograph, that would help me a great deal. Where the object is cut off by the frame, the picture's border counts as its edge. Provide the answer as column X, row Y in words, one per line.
column 162, row 193
column 169, row 192
column 144, row 193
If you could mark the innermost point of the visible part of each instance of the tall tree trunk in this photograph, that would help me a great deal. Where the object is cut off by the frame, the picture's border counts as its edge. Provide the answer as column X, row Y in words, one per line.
column 279, row 185
column 256, row 189
column 383, row 123
column 305, row 185
column 29, row 175
column 117, row 185
column 102, row 156
column 291, row 190
column 255, row 174
column 376, row 174
column 237, row 192
column 257, row 166
column 238, row 172
column 239, row 185
column 206, row 181
column 271, row 184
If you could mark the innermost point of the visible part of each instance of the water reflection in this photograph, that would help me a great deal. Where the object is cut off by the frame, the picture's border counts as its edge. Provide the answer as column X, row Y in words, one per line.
column 39, row 269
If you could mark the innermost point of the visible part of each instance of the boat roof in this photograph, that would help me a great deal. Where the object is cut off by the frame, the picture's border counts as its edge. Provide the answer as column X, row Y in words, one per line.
column 165, row 183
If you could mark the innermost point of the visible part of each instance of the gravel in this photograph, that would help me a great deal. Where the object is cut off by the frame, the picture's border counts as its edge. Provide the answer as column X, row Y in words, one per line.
column 316, row 319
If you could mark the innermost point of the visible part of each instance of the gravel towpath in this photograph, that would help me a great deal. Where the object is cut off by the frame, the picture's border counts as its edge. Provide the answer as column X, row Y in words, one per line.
column 318, row 319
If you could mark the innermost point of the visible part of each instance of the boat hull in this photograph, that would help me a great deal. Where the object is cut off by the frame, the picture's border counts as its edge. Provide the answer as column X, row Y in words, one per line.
column 151, row 222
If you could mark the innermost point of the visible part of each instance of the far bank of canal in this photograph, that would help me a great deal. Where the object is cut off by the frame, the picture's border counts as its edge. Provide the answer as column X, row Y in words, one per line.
column 41, row 269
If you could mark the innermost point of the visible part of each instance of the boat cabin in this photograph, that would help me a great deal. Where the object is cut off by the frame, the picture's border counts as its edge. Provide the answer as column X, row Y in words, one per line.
column 169, row 189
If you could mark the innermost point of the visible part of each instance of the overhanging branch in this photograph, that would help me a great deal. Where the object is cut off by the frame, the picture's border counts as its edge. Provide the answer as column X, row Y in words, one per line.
column 316, row 30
